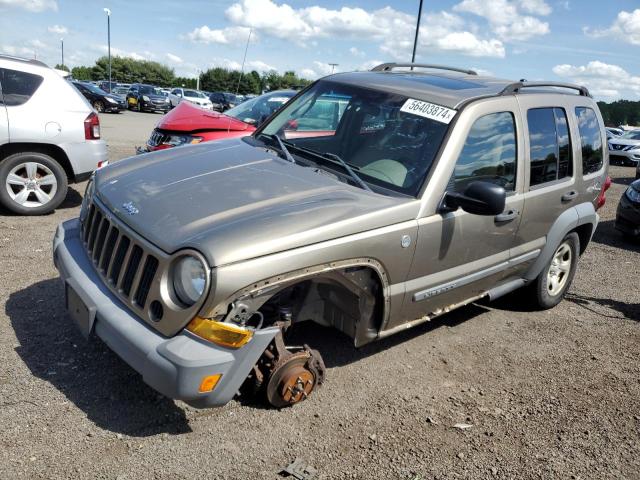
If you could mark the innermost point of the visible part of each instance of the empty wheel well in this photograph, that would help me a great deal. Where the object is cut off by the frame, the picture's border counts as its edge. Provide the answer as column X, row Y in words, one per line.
column 52, row 150
column 584, row 234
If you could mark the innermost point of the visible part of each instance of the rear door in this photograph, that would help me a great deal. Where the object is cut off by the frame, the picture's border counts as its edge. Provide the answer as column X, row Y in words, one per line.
column 4, row 121
column 550, row 186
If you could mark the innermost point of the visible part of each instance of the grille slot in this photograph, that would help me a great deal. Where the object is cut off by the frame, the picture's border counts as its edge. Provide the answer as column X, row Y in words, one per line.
column 132, row 268
column 118, row 259
column 148, row 272
column 95, row 224
column 108, row 249
column 100, row 239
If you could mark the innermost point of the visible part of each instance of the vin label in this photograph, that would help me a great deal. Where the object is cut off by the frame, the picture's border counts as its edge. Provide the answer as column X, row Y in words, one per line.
column 428, row 110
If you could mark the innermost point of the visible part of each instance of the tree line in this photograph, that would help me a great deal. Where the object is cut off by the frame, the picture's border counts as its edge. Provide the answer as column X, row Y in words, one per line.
column 129, row 70
column 621, row 112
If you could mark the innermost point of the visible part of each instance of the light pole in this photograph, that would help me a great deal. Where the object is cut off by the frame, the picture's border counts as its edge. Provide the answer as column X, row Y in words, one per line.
column 333, row 66
column 108, row 12
column 62, row 51
column 415, row 42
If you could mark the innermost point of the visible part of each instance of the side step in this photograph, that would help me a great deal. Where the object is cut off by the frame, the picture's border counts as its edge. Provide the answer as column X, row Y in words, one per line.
column 505, row 288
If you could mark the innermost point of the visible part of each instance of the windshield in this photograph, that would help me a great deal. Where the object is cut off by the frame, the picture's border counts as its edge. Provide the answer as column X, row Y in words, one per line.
column 632, row 135
column 148, row 90
column 372, row 131
column 120, row 90
column 258, row 109
column 193, row 94
column 92, row 88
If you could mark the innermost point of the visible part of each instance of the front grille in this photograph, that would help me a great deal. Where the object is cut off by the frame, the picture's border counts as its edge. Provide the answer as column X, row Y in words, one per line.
column 124, row 264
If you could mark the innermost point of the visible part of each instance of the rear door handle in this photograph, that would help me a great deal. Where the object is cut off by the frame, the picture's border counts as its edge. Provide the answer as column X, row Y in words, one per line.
column 567, row 197
column 506, row 216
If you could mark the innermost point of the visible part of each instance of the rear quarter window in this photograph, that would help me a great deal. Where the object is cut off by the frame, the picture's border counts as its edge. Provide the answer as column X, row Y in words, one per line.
column 590, row 140
column 18, row 87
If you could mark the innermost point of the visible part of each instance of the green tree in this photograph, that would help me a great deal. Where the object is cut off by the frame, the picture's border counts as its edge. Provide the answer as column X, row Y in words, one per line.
column 62, row 67
column 82, row 73
column 129, row 70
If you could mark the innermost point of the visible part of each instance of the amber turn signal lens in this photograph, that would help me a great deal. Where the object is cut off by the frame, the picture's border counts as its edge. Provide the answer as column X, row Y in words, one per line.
column 221, row 333
column 209, row 383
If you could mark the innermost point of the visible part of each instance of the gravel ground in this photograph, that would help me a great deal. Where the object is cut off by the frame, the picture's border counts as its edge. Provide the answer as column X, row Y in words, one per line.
column 551, row 394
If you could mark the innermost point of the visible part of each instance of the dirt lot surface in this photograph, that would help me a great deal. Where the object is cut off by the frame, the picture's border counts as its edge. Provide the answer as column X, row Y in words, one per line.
column 551, row 394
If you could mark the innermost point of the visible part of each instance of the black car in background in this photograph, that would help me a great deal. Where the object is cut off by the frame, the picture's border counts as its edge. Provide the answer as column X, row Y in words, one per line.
column 147, row 98
column 628, row 214
column 99, row 99
column 223, row 101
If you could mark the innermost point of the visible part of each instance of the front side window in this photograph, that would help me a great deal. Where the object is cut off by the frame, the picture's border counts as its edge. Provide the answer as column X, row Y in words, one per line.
column 386, row 143
column 489, row 153
column 18, row 87
column 590, row 140
column 549, row 144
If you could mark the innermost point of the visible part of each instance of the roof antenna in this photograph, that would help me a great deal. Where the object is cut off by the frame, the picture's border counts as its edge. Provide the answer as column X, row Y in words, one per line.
column 244, row 59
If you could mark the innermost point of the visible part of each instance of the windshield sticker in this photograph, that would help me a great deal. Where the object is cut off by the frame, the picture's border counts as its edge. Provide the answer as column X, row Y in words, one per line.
column 428, row 110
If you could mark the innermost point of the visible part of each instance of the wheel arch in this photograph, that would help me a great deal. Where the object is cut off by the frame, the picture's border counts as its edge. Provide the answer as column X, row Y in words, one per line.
column 54, row 151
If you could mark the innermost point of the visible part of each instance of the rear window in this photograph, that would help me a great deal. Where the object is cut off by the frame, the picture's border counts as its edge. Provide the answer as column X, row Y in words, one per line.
column 590, row 139
column 550, row 145
column 18, row 87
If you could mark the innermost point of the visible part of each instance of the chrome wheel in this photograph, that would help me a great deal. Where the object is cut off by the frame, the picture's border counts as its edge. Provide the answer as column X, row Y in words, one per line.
column 31, row 184
column 559, row 269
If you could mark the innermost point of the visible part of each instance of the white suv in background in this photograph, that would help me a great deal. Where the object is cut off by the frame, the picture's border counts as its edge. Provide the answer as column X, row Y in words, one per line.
column 193, row 96
column 49, row 137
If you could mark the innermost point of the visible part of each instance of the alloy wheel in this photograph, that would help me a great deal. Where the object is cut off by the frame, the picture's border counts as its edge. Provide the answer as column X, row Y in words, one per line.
column 559, row 269
column 31, row 184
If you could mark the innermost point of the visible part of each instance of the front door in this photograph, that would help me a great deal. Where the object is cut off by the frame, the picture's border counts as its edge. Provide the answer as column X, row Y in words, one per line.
column 460, row 255
column 4, row 121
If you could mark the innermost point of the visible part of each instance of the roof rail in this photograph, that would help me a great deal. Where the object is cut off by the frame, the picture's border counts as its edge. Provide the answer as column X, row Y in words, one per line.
column 32, row 61
column 387, row 67
column 517, row 86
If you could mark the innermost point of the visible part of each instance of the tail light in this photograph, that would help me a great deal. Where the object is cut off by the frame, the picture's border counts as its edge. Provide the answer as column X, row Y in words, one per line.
column 92, row 127
column 602, row 198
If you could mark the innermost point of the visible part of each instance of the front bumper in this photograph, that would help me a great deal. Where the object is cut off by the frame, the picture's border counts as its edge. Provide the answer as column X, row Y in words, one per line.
column 630, row 157
column 154, row 107
column 173, row 366
column 114, row 107
column 628, row 217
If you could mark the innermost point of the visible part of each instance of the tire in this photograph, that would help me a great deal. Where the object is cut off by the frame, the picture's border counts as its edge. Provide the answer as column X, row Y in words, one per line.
column 549, row 288
column 98, row 106
column 138, row 108
column 32, row 183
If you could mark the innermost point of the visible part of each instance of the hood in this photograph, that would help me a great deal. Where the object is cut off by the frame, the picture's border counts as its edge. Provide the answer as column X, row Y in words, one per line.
column 117, row 98
column 232, row 201
column 623, row 141
column 187, row 117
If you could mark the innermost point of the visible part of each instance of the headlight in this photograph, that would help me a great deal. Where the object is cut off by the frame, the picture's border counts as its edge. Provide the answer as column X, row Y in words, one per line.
column 177, row 140
column 166, row 100
column 110, row 100
column 145, row 98
column 633, row 194
column 636, row 147
column 189, row 279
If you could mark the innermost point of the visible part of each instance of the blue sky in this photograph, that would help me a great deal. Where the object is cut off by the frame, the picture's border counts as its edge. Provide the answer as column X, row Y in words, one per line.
column 587, row 41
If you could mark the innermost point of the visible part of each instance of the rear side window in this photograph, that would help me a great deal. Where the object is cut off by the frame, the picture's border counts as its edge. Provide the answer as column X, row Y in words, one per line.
column 590, row 139
column 489, row 153
column 18, row 87
column 550, row 145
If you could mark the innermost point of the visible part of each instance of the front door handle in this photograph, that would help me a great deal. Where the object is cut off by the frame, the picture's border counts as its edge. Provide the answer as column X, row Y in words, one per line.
column 567, row 197
column 506, row 216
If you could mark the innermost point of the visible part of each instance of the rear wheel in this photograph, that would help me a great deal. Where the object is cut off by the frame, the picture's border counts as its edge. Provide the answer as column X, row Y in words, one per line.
column 32, row 183
column 98, row 106
column 554, row 281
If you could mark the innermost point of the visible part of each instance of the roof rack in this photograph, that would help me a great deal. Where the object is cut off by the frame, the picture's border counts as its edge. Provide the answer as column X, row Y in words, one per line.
column 32, row 61
column 517, row 86
column 387, row 67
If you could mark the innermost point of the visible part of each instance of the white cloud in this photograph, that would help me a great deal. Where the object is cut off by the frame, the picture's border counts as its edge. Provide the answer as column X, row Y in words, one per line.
column 626, row 27
column 356, row 52
column 223, row 36
column 30, row 5
column 391, row 28
column 506, row 19
column 58, row 29
column 116, row 52
column 320, row 69
column 259, row 66
column 604, row 80
column 174, row 58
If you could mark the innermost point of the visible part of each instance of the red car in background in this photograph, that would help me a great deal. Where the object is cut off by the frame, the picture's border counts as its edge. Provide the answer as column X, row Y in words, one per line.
column 188, row 124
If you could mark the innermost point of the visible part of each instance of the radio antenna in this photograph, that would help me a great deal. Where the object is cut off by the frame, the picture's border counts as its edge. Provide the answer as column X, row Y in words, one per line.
column 244, row 59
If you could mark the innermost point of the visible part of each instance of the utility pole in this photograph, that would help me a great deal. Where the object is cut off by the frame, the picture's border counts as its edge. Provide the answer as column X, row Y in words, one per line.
column 415, row 42
column 108, row 12
column 333, row 66
column 62, row 50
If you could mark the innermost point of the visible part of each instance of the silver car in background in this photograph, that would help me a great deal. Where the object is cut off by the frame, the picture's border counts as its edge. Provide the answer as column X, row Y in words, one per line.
column 625, row 149
column 49, row 137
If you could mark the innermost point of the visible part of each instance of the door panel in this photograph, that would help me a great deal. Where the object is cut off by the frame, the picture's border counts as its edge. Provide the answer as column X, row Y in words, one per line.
column 460, row 255
column 4, row 120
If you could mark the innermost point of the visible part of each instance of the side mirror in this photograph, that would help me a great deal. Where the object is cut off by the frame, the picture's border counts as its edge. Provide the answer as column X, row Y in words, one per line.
column 479, row 198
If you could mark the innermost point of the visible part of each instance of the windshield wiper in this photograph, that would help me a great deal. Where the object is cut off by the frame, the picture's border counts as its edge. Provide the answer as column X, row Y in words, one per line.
column 282, row 146
column 352, row 174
